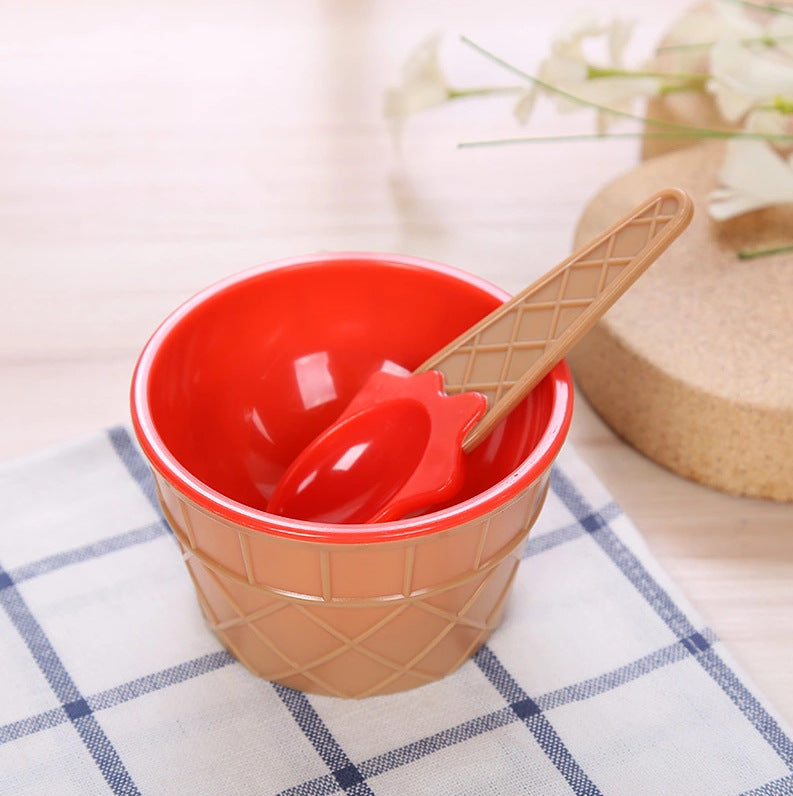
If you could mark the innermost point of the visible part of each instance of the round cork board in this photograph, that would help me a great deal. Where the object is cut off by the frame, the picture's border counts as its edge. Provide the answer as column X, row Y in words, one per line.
column 694, row 365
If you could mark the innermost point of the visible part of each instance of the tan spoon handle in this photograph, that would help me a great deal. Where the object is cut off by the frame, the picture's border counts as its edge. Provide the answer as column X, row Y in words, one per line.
column 506, row 354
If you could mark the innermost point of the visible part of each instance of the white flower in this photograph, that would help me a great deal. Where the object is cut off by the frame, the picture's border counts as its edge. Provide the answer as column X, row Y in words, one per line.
column 769, row 122
column 743, row 78
column 781, row 31
column 619, row 34
column 423, row 83
column 704, row 25
column 752, row 176
column 569, row 70
column 525, row 104
column 566, row 67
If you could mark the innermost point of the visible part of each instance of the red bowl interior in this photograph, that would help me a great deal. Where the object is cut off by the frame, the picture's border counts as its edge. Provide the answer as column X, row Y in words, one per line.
column 236, row 382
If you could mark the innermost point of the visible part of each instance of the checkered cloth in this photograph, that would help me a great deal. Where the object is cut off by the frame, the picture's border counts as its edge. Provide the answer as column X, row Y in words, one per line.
column 601, row 679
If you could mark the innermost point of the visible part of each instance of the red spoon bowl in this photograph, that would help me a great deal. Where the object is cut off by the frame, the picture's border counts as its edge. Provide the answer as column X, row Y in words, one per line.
column 238, row 380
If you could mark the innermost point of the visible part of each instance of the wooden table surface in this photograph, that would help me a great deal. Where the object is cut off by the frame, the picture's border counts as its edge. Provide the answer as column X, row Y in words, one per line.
column 148, row 149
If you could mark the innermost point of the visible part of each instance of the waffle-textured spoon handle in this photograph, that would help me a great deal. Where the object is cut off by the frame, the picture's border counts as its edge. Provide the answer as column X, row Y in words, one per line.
column 507, row 353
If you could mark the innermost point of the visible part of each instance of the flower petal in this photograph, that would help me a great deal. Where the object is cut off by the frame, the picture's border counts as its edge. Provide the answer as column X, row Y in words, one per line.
column 726, row 203
column 619, row 34
column 763, row 121
column 752, row 176
column 568, row 40
column 423, row 64
column 781, row 30
column 423, row 83
column 525, row 105
column 743, row 78
column 562, row 71
column 719, row 21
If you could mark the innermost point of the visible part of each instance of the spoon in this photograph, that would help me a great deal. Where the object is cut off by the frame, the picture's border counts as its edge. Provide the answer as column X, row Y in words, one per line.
column 398, row 448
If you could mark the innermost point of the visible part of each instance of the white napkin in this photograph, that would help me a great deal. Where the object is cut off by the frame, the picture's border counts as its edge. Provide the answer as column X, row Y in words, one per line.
column 601, row 680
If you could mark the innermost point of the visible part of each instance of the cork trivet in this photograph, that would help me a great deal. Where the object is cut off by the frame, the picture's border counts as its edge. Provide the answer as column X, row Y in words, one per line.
column 694, row 365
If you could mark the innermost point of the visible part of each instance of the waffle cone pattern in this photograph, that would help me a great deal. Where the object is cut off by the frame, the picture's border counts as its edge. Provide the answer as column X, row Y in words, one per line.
column 494, row 356
column 353, row 620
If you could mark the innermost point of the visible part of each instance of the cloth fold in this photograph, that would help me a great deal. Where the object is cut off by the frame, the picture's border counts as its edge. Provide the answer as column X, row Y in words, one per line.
column 602, row 679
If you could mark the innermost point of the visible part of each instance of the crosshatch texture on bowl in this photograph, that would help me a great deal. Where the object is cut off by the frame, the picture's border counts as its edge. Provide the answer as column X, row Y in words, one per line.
column 353, row 620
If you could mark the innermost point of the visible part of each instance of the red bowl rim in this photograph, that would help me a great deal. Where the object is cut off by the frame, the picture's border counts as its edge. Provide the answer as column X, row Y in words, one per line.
column 232, row 511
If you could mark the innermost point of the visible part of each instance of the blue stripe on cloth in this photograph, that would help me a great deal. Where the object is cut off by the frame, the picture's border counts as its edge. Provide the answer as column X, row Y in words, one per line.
column 671, row 614
column 779, row 787
column 111, row 544
column 410, row 753
column 567, row 533
column 32, row 724
column 346, row 774
column 136, row 465
column 530, row 713
column 746, row 702
column 440, row 740
column 119, row 694
column 173, row 675
column 73, row 703
column 472, row 728
column 624, row 674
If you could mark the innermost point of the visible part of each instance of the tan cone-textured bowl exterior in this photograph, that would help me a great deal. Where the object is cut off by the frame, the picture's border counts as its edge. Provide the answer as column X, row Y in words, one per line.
column 353, row 620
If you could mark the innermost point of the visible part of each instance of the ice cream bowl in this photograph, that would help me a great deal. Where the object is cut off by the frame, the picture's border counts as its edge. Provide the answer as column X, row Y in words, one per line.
column 236, row 381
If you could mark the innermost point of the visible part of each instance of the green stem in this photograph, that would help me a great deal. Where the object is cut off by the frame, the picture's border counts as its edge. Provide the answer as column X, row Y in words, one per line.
column 560, row 92
column 769, row 41
column 605, row 71
column 750, row 254
column 781, row 105
column 687, row 129
column 766, row 9
column 549, row 139
column 483, row 91
column 673, row 88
